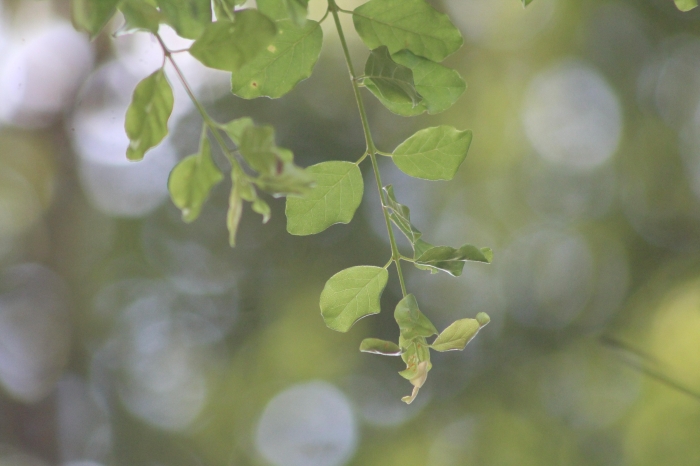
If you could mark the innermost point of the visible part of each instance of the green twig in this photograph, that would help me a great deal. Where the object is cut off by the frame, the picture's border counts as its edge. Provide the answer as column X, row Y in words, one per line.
column 371, row 149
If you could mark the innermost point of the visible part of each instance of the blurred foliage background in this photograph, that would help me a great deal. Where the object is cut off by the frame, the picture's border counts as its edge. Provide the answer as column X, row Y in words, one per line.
column 130, row 338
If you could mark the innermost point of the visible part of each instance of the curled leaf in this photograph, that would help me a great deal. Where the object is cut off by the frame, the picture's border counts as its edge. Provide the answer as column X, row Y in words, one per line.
column 382, row 347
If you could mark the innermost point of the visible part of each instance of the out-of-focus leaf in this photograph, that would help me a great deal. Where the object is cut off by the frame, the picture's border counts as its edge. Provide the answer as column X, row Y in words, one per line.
column 407, row 24
column 526, row 2
column 234, row 128
column 261, row 207
column 459, row 333
column 388, row 80
column 228, row 46
column 683, row 5
column 187, row 17
column 139, row 16
column 192, row 179
column 235, row 210
column 257, row 146
column 433, row 153
column 147, row 116
column 412, row 322
column 289, row 181
column 352, row 294
column 452, row 260
column 382, row 347
column 421, row 375
column 92, row 15
column 289, row 59
column 224, row 8
column 295, row 10
column 334, row 198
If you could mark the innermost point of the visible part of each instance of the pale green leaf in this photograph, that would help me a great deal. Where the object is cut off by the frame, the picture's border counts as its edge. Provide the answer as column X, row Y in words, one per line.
column 289, row 180
column 382, row 347
column 421, row 374
column 224, row 8
column 92, row 15
column 139, row 16
column 684, row 5
column 192, row 179
column 228, row 46
column 388, row 80
column 407, row 24
column 334, row 198
column 433, row 153
column 287, row 61
column 401, row 216
column 187, row 17
column 257, row 146
column 452, row 260
column 234, row 128
column 235, row 210
column 295, row 10
column 526, row 2
column 261, row 207
column 352, row 294
column 414, row 351
column 146, row 121
column 412, row 322
column 457, row 335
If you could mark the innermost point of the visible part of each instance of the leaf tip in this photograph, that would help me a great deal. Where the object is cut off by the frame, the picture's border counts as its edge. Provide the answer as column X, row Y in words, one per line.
column 483, row 318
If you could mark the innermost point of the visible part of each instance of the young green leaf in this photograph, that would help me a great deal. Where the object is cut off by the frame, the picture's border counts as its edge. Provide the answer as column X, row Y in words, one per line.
column 187, row 17
column 407, row 24
column 228, row 46
column 683, row 5
column 452, row 260
column 439, row 85
column 287, row 61
column 458, row 334
column 382, row 347
column 352, row 294
column 334, row 199
column 257, row 146
column 433, row 153
column 235, row 210
column 235, row 128
column 295, row 10
column 192, row 179
column 92, row 15
column 388, row 80
column 421, row 375
column 139, row 16
column 416, row 355
column 412, row 322
column 147, row 117
column 290, row 180
column 401, row 216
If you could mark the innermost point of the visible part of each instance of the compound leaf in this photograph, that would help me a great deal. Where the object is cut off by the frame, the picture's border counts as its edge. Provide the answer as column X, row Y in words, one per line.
column 388, row 80
column 334, row 199
column 433, row 153
column 192, row 179
column 459, row 333
column 352, row 294
column 146, row 121
column 407, row 24
column 187, row 17
column 228, row 46
column 92, row 15
column 377, row 346
column 412, row 322
column 289, row 59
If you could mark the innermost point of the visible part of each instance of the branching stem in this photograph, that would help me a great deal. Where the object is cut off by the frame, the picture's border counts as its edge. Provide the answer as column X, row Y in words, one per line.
column 371, row 149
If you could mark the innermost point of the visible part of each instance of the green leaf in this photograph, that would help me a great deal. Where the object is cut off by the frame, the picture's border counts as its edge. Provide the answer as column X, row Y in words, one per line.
column 92, row 15
column 433, row 153
column 261, row 207
column 352, row 294
column 407, row 24
column 526, row 2
column 290, row 180
column 401, row 216
column 234, row 128
column 412, row 322
column 419, row 374
column 416, row 355
column 452, row 260
column 187, row 17
column 224, row 8
column 377, row 346
column 439, row 85
column 192, row 179
column 257, row 146
column 235, row 210
column 287, row 61
column 228, row 46
column 334, row 199
column 388, row 80
column 139, row 17
column 295, row 10
column 458, row 334
column 683, row 5
column 147, row 116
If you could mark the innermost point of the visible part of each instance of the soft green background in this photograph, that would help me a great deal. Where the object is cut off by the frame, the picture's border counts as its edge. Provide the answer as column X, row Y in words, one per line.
column 128, row 337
